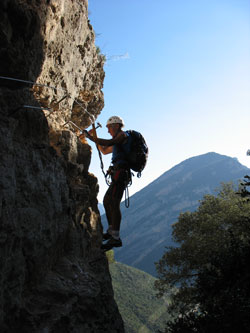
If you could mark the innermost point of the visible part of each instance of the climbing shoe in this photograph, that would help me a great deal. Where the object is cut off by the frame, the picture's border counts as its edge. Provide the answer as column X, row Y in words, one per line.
column 111, row 243
column 106, row 236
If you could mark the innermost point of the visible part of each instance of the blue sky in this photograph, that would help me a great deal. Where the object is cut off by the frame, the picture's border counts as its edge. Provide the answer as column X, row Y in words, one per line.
column 183, row 78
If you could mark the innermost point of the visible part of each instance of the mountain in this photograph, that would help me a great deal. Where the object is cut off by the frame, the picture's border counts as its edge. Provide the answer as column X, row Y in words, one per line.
column 136, row 299
column 146, row 225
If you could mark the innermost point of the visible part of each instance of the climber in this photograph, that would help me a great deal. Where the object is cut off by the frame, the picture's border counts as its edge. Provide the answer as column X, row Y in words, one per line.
column 120, row 174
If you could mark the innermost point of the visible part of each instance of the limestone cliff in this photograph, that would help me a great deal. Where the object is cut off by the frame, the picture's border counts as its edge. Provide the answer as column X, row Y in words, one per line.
column 53, row 276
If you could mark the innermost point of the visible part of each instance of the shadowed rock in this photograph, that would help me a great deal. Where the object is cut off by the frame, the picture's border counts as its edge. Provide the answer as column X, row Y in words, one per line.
column 53, row 276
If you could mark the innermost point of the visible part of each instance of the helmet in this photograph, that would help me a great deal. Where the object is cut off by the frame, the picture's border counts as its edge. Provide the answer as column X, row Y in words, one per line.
column 115, row 120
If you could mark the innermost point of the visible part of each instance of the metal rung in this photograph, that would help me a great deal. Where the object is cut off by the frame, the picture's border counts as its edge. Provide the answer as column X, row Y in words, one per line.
column 71, row 122
column 57, row 104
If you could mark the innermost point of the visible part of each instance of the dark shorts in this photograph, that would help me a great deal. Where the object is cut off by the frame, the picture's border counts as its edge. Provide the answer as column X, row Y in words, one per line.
column 120, row 180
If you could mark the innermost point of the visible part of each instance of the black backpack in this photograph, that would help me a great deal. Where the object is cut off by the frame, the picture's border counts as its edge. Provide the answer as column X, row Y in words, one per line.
column 138, row 152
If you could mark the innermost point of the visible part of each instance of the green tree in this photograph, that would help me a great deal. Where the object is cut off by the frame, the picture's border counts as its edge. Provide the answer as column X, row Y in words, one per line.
column 209, row 268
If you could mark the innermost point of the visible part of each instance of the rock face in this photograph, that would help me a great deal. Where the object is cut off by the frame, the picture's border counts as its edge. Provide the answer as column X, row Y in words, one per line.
column 54, row 277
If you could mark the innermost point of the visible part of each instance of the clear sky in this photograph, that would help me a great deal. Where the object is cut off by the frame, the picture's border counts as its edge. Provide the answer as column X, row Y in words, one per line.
column 178, row 71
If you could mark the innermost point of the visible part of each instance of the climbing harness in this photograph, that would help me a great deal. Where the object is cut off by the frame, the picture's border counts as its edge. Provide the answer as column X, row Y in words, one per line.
column 127, row 182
